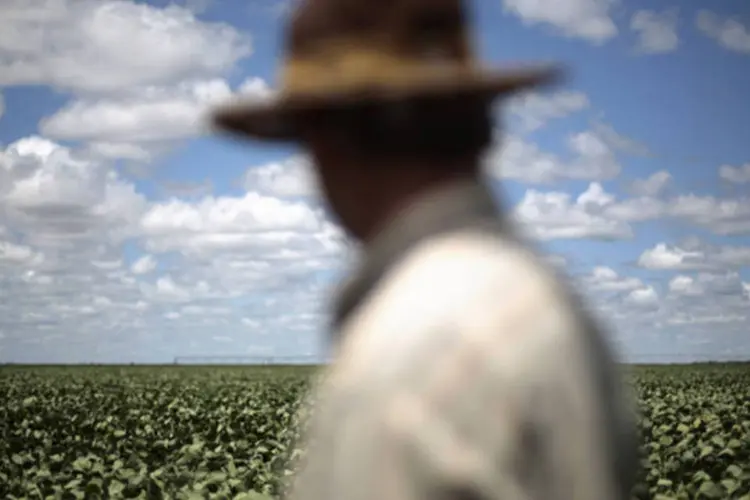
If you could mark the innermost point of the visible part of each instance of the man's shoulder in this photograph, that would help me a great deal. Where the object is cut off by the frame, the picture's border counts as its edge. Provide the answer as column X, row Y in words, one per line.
column 461, row 290
column 467, row 266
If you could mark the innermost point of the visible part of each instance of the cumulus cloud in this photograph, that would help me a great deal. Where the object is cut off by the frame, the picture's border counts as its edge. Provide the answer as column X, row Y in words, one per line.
column 597, row 214
column 231, row 222
column 664, row 257
column 516, row 158
column 586, row 19
column 557, row 215
column 730, row 33
column 592, row 154
column 709, row 298
column 69, row 226
column 87, row 46
column 292, row 177
column 143, row 265
column 671, row 257
column 702, row 283
column 729, row 216
column 653, row 185
column 606, row 279
column 735, row 175
column 154, row 276
column 12, row 254
column 93, row 268
column 127, row 126
column 648, row 320
column 153, row 114
column 657, row 31
column 643, row 297
column 59, row 198
column 534, row 110
column 141, row 76
column 617, row 141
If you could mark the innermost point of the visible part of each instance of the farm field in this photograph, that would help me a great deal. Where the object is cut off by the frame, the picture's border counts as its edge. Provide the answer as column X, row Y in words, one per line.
column 187, row 432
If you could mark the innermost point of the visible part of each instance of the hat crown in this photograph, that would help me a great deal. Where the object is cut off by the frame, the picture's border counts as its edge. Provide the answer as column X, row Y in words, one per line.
column 409, row 29
column 341, row 54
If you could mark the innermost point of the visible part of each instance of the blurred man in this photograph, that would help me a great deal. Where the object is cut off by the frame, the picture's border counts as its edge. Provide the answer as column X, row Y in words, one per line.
column 464, row 369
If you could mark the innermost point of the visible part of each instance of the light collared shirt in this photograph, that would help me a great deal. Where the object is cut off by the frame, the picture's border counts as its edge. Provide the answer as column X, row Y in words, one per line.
column 464, row 368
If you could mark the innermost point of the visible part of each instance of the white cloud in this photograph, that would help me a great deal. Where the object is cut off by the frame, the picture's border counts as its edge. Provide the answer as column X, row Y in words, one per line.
column 253, row 220
column 517, row 159
column 653, row 185
column 735, row 175
column 708, row 298
column 729, row 32
column 253, row 260
column 260, row 261
column 94, row 269
column 534, row 110
column 657, row 31
column 587, row 19
column 59, row 198
column 556, row 215
column 143, row 265
column 153, row 114
column 597, row 214
column 123, row 151
column 197, row 6
column 249, row 322
column 120, row 126
column 292, row 177
column 703, row 319
column 647, row 326
column 87, row 46
column 606, row 279
column 618, row 141
column 13, row 254
column 663, row 256
column 643, row 297
column 255, row 86
column 721, row 216
column 165, row 289
column 703, row 283
column 65, row 217
column 683, row 285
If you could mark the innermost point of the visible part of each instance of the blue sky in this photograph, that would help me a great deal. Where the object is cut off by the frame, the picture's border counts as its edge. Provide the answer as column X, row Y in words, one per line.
column 128, row 233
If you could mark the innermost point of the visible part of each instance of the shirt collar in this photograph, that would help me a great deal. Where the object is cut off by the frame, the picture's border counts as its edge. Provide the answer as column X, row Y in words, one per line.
column 458, row 205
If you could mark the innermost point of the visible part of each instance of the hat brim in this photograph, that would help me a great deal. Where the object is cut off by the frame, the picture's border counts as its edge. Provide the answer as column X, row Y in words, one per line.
column 278, row 119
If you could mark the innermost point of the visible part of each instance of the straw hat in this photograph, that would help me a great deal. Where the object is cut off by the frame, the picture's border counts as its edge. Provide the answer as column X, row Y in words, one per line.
column 345, row 53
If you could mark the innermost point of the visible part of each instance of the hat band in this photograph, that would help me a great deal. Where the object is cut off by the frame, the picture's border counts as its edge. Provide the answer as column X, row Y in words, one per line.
column 348, row 67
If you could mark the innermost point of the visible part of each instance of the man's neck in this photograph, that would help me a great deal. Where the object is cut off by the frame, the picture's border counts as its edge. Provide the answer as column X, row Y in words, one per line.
column 402, row 193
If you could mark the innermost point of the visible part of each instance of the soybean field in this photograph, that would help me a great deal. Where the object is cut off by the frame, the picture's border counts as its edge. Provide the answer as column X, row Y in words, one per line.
column 187, row 432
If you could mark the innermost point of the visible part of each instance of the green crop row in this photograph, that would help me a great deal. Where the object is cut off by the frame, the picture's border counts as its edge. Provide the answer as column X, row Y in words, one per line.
column 229, row 433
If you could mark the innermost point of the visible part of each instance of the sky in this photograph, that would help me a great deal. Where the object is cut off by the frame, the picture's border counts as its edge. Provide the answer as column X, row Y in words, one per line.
column 130, row 233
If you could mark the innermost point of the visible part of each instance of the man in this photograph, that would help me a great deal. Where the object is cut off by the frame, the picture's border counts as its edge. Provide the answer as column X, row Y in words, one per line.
column 464, row 369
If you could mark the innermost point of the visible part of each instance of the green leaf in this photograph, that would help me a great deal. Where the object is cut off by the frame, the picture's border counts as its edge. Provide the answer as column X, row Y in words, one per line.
column 734, row 470
column 730, row 485
column 709, row 489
